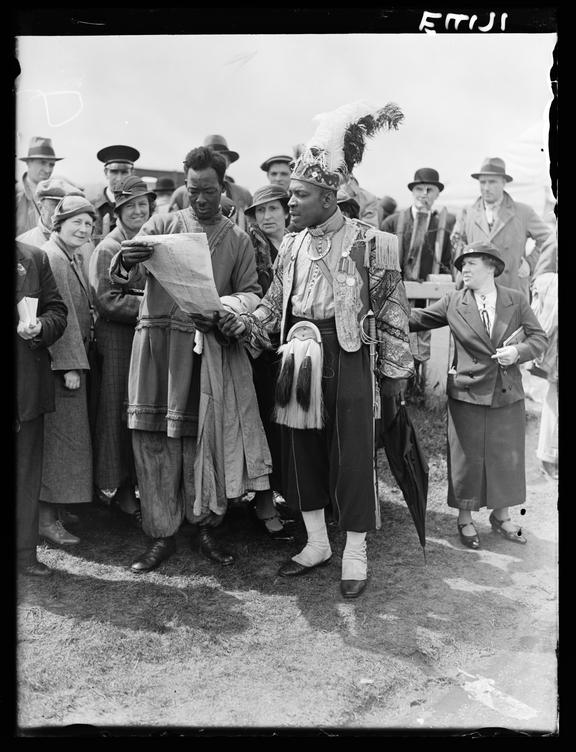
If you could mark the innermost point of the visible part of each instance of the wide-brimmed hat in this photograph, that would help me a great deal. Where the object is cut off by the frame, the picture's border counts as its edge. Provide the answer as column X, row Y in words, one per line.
column 165, row 185
column 278, row 158
column 56, row 188
column 493, row 166
column 118, row 153
column 41, row 148
column 481, row 248
column 426, row 175
column 70, row 206
column 129, row 188
column 219, row 143
column 265, row 194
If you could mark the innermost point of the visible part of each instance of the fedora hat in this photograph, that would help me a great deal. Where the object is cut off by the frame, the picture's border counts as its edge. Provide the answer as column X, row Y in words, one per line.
column 165, row 185
column 481, row 248
column 493, row 166
column 118, row 153
column 265, row 194
column 41, row 148
column 219, row 143
column 278, row 158
column 129, row 188
column 426, row 175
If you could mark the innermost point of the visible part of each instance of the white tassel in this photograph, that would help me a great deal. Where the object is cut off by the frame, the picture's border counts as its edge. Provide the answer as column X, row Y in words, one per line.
column 385, row 252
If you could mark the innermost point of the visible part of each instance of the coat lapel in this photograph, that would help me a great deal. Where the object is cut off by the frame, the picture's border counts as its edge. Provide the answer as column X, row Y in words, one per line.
column 480, row 217
column 505, row 214
column 504, row 311
column 468, row 309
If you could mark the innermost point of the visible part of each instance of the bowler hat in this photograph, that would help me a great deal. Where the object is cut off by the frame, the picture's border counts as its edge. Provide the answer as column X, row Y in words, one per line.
column 118, row 153
column 492, row 166
column 70, row 206
column 165, row 185
column 481, row 248
column 265, row 194
column 278, row 158
column 56, row 188
column 41, row 148
column 129, row 188
column 426, row 175
column 219, row 143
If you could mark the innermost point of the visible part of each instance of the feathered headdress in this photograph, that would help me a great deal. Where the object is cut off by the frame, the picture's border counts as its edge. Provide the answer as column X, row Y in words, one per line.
column 338, row 144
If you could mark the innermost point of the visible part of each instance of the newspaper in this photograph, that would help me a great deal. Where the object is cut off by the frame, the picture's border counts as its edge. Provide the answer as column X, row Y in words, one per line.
column 182, row 265
column 27, row 308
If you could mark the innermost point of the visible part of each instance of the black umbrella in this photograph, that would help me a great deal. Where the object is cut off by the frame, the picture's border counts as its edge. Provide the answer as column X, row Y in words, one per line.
column 396, row 433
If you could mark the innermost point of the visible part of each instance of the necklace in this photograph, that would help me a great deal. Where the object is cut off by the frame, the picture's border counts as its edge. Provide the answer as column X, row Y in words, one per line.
column 319, row 241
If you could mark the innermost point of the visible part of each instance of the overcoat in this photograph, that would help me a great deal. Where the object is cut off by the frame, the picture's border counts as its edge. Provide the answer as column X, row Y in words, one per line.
column 515, row 223
column 67, row 467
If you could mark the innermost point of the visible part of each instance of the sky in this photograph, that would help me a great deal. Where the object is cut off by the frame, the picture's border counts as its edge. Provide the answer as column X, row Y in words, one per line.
column 464, row 98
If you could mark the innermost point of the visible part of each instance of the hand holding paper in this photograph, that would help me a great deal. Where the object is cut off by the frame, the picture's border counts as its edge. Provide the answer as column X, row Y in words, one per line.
column 182, row 264
column 135, row 251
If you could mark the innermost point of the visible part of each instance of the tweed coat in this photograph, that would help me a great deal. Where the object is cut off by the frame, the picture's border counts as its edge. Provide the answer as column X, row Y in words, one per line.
column 515, row 223
column 67, row 466
column 117, row 315
column 35, row 381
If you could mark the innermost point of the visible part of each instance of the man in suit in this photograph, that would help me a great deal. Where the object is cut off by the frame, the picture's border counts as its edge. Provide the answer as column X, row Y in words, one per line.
column 507, row 224
column 40, row 162
column 424, row 248
column 34, row 392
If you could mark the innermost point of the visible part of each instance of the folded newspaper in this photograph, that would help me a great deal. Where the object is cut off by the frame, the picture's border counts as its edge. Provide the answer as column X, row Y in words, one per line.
column 182, row 264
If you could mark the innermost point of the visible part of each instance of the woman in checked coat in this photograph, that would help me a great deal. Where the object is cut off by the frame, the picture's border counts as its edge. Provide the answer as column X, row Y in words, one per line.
column 114, row 471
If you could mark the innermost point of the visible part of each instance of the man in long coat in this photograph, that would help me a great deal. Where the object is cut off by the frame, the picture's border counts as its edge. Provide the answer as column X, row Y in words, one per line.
column 196, row 432
column 497, row 219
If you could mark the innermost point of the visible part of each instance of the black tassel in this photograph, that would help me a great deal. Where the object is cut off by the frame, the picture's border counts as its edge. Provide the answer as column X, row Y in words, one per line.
column 285, row 379
column 304, row 383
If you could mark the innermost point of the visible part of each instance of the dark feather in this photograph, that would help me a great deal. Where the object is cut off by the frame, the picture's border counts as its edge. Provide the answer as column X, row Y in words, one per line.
column 356, row 133
column 304, row 383
column 285, row 379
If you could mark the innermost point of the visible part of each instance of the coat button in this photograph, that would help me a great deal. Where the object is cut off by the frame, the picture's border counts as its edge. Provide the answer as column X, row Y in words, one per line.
column 503, row 390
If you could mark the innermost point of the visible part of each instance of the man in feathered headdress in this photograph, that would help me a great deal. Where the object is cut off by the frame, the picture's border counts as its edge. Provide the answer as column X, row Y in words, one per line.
column 330, row 275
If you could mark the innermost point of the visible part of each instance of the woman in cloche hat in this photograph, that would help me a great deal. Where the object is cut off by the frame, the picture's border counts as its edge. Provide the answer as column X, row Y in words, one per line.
column 114, row 473
column 494, row 330
column 67, row 466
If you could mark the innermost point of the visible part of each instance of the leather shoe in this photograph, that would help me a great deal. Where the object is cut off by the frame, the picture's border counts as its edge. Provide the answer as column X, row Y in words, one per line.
column 155, row 554
column 57, row 533
column 35, row 569
column 352, row 588
column 497, row 525
column 472, row 541
column 291, row 568
column 210, row 549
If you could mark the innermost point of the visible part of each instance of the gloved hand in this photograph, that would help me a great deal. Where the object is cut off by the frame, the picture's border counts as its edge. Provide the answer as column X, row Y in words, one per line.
column 134, row 252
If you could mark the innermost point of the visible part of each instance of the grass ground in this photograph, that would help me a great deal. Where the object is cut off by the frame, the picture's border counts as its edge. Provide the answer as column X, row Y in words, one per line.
column 196, row 646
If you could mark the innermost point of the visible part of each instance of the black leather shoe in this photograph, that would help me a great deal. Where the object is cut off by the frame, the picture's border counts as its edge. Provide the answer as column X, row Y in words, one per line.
column 472, row 541
column 35, row 569
column 160, row 550
column 352, row 588
column 515, row 535
column 210, row 549
column 291, row 568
